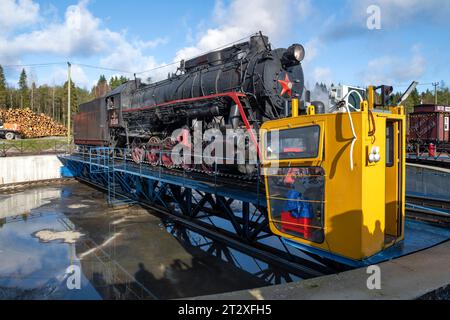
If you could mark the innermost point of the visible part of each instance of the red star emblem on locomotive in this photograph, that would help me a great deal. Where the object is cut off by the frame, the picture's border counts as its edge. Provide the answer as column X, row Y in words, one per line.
column 287, row 85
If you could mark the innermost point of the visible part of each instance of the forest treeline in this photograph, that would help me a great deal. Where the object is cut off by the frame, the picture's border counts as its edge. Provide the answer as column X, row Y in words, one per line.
column 51, row 100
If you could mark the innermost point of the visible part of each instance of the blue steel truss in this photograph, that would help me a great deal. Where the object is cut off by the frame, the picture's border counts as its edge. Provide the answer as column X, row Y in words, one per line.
column 103, row 163
column 181, row 192
column 98, row 160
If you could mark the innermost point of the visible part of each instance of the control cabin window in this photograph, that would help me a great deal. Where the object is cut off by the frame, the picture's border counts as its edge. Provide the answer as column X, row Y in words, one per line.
column 297, row 143
column 297, row 202
column 389, row 144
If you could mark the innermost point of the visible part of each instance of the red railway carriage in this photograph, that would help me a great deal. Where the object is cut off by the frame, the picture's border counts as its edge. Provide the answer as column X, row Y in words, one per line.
column 429, row 123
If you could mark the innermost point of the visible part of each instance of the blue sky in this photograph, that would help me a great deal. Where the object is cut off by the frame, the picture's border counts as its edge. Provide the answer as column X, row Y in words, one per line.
column 136, row 35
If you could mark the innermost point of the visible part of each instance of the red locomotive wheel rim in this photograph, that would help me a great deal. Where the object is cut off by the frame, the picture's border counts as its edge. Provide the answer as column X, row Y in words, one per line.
column 167, row 153
column 153, row 156
column 154, row 150
column 167, row 160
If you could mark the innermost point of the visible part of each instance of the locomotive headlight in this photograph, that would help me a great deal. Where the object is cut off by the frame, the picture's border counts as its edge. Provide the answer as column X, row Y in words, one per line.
column 296, row 52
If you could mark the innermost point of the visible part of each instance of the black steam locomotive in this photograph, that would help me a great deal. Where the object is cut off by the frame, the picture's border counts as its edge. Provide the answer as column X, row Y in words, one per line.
column 238, row 87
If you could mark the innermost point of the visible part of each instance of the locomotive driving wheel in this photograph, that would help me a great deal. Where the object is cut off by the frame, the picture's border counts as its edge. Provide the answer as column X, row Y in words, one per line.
column 166, row 157
column 137, row 152
column 153, row 151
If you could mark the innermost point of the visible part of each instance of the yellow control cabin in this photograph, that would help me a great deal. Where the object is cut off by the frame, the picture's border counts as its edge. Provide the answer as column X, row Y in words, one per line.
column 335, row 183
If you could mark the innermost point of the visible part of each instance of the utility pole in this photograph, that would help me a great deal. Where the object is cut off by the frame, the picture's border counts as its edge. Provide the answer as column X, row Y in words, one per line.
column 68, row 103
column 53, row 102
column 435, row 84
column 11, row 104
column 32, row 96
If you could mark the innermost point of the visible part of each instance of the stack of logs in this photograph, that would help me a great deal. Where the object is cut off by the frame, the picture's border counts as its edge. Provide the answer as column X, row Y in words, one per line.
column 32, row 125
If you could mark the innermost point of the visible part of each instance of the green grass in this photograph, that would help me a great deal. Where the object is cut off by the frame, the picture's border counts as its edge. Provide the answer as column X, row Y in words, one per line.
column 24, row 146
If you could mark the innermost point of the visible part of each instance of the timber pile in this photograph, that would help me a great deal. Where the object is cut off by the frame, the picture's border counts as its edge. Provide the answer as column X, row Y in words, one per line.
column 33, row 125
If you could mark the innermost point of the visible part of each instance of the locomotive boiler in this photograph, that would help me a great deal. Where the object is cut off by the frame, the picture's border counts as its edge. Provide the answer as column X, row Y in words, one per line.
column 238, row 87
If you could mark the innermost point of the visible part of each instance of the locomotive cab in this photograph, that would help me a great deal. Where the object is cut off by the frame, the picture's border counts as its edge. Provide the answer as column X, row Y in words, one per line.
column 335, row 184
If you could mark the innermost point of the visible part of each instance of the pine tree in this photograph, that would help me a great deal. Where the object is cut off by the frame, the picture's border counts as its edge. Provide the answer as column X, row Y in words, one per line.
column 115, row 81
column 23, row 89
column 414, row 99
column 73, row 97
column 102, row 87
column 3, row 91
column 124, row 79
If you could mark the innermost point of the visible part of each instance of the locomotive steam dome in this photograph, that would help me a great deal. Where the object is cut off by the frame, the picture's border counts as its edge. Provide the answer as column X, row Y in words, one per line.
column 271, row 77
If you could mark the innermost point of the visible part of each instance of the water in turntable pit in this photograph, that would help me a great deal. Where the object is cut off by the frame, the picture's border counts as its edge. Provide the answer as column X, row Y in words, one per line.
column 123, row 253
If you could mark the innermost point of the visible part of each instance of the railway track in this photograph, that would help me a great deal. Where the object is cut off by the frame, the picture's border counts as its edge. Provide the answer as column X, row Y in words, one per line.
column 438, row 161
column 436, row 211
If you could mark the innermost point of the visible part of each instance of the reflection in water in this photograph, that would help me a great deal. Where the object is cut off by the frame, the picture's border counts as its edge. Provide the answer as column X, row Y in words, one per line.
column 29, row 268
column 124, row 253
column 23, row 202
column 64, row 236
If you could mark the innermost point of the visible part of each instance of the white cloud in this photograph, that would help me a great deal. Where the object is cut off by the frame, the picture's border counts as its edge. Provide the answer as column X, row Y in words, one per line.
column 322, row 75
column 304, row 9
column 80, row 34
column 78, row 76
column 126, row 56
column 312, row 49
column 241, row 18
column 17, row 13
column 394, row 69
column 152, row 43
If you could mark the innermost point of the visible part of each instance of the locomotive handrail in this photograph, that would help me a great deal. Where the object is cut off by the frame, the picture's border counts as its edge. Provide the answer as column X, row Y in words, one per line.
column 232, row 95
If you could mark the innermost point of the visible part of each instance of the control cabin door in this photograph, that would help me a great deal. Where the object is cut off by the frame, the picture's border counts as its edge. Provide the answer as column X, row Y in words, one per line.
column 394, row 179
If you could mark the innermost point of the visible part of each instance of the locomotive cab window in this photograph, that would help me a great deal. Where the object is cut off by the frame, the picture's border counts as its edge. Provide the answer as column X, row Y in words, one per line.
column 297, row 143
column 110, row 103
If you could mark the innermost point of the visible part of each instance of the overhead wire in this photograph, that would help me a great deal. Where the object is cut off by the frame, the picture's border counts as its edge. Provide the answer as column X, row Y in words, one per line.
column 33, row 65
column 101, row 68
column 407, row 85
column 127, row 71
column 158, row 67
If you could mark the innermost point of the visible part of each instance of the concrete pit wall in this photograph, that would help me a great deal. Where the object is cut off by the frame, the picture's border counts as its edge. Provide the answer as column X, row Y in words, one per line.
column 430, row 181
column 29, row 169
